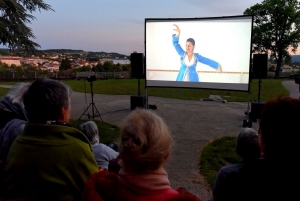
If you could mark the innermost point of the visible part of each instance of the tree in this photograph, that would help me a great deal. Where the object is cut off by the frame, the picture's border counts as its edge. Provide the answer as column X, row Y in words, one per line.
column 14, row 17
column 65, row 64
column 108, row 66
column 276, row 28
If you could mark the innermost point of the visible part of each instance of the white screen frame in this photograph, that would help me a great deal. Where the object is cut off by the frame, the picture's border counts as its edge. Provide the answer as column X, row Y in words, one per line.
column 225, row 39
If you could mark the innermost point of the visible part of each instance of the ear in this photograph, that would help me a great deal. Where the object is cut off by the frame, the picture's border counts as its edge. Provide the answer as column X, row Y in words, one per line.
column 63, row 112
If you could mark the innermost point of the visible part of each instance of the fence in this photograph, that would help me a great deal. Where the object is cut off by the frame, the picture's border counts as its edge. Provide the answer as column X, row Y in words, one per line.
column 103, row 75
column 32, row 75
column 281, row 74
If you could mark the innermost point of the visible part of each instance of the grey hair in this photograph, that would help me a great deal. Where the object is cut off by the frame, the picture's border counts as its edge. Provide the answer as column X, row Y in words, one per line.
column 90, row 129
column 15, row 94
column 146, row 141
column 45, row 98
column 247, row 144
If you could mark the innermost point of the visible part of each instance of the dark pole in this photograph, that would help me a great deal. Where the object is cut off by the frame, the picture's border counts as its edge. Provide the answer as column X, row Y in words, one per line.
column 139, row 88
column 92, row 94
column 259, row 87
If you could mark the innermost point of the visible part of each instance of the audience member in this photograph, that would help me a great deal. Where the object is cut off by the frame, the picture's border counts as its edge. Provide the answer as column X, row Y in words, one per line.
column 12, row 121
column 145, row 146
column 276, row 174
column 103, row 154
column 49, row 160
column 229, row 183
column 279, row 140
column 11, row 104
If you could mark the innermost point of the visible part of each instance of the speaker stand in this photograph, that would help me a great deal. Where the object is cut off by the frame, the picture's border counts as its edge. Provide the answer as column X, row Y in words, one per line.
column 259, row 88
column 248, row 122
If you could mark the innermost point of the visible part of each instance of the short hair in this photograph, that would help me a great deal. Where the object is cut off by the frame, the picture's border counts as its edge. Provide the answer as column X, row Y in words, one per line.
column 145, row 141
column 279, row 125
column 45, row 98
column 16, row 92
column 247, row 144
column 191, row 40
column 90, row 129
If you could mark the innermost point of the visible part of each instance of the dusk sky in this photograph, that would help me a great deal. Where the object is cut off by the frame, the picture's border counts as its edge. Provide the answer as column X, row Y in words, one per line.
column 117, row 25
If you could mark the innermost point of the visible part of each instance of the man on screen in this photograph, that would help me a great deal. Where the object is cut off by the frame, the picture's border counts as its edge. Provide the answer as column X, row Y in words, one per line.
column 189, row 59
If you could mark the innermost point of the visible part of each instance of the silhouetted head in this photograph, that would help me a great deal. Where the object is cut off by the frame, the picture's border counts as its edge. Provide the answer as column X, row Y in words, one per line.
column 279, row 129
column 48, row 100
column 15, row 94
column 247, row 145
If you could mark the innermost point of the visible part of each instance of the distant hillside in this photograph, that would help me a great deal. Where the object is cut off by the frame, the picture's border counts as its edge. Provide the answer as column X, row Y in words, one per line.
column 60, row 51
column 89, row 53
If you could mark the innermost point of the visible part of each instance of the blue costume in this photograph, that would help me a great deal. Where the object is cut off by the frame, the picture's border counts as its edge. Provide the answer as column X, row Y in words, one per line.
column 187, row 69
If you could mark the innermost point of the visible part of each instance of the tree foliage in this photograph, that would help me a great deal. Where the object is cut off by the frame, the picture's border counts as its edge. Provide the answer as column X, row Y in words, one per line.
column 15, row 15
column 65, row 64
column 275, row 28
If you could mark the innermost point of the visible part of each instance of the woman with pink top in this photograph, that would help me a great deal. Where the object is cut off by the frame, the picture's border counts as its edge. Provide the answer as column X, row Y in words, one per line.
column 145, row 146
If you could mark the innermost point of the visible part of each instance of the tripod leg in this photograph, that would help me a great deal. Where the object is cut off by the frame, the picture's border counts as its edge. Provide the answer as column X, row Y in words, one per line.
column 97, row 113
column 85, row 111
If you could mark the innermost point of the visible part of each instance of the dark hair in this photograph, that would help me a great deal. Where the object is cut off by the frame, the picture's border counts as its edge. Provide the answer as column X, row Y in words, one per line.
column 247, row 145
column 45, row 98
column 279, row 127
column 191, row 40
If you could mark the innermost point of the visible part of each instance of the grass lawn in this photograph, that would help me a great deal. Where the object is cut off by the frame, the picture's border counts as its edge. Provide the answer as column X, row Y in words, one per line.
column 3, row 91
column 270, row 88
column 215, row 155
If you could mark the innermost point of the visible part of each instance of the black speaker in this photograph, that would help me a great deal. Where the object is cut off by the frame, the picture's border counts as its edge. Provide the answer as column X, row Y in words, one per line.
column 137, row 63
column 256, row 107
column 137, row 101
column 260, row 65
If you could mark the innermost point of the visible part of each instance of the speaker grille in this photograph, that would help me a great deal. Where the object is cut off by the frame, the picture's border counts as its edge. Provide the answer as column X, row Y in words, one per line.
column 137, row 63
column 260, row 65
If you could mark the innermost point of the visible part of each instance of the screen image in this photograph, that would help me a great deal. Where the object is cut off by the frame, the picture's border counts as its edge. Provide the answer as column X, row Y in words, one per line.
column 211, row 53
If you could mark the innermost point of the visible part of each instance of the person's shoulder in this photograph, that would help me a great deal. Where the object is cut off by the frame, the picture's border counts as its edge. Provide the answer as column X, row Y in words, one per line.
column 107, row 149
column 17, row 122
column 183, row 195
column 232, row 167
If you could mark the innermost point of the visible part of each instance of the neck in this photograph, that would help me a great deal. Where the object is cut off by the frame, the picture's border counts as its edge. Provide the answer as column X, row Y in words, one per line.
column 190, row 54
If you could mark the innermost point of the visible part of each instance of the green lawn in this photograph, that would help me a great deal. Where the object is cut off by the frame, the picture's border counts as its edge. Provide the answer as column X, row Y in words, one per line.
column 215, row 155
column 3, row 91
column 270, row 88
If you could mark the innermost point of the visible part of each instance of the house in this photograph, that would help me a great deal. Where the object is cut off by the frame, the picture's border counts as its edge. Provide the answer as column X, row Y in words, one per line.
column 9, row 60
column 51, row 67
column 33, row 60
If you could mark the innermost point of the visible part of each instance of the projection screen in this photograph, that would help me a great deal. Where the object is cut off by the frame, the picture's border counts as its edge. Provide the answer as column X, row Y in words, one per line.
column 206, row 53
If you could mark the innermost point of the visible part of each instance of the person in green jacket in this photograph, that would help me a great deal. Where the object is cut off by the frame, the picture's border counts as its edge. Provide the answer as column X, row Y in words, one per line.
column 49, row 160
